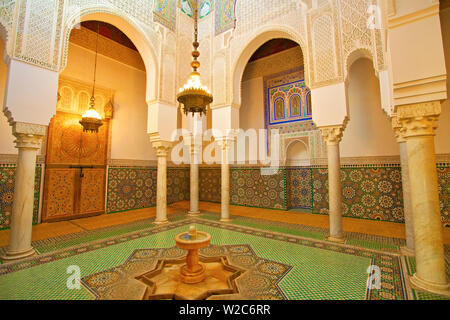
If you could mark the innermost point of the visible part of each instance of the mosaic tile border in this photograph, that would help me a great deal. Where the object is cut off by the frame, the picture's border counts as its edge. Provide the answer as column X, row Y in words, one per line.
column 143, row 260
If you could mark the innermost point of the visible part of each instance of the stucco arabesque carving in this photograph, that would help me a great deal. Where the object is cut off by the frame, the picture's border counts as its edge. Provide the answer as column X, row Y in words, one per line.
column 355, row 34
column 6, row 21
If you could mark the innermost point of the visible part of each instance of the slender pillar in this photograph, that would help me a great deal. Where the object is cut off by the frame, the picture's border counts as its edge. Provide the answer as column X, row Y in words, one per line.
column 29, row 138
column 162, row 150
column 407, row 250
column 225, row 176
column 194, row 208
column 333, row 136
column 419, row 123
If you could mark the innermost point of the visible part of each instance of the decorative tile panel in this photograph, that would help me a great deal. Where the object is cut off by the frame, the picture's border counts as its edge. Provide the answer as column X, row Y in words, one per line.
column 135, row 187
column 178, row 184
column 225, row 15
column 7, row 173
column 444, row 193
column 249, row 188
column 210, row 180
column 131, row 188
column 286, row 98
column 165, row 13
column 370, row 193
column 298, row 188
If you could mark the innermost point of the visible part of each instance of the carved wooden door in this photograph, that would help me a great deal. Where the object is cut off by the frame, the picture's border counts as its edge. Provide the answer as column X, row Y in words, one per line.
column 75, row 173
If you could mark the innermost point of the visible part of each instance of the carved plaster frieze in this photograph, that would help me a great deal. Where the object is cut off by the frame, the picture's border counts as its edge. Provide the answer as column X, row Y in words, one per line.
column 324, row 45
column 29, row 129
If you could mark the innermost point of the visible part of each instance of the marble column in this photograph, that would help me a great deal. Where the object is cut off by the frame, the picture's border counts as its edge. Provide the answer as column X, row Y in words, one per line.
column 194, row 208
column 162, row 150
column 419, row 124
column 333, row 136
column 407, row 250
column 28, row 142
column 225, row 177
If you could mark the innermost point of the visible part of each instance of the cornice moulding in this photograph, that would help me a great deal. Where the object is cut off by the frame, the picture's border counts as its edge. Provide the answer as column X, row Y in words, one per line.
column 398, row 21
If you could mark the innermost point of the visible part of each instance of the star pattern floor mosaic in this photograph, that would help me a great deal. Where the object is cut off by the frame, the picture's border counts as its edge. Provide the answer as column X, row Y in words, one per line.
column 315, row 268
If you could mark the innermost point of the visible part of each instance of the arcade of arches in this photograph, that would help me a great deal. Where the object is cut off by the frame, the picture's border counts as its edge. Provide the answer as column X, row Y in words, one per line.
column 331, row 149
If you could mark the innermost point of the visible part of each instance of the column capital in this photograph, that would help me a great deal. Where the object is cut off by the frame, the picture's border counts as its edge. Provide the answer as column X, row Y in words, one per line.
column 419, row 119
column 195, row 148
column 225, row 142
column 29, row 135
column 162, row 148
column 332, row 134
column 399, row 131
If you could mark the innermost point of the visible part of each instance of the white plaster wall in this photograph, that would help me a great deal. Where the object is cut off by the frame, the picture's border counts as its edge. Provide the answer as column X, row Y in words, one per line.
column 129, row 127
column 251, row 113
column 442, row 139
column 6, row 137
column 369, row 131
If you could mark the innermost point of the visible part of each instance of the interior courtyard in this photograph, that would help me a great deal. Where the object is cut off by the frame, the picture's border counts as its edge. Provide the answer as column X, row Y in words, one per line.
column 312, row 162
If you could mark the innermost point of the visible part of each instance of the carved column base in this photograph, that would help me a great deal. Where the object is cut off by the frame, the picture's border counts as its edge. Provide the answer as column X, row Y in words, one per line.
column 334, row 239
column 438, row 288
column 17, row 255
column 193, row 213
column 161, row 222
column 225, row 220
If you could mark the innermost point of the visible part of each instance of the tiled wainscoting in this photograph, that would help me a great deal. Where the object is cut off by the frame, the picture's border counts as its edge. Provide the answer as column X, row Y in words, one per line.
column 7, row 172
column 132, row 188
column 368, row 192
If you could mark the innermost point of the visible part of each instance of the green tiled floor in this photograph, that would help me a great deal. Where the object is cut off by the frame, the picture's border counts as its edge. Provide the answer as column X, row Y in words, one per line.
column 317, row 273
column 360, row 240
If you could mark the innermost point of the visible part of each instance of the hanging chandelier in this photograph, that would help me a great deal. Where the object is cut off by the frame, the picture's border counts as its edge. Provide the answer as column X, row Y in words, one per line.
column 194, row 96
column 91, row 119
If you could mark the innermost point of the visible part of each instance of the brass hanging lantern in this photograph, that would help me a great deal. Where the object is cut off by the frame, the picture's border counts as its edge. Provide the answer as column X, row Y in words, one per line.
column 194, row 96
column 91, row 119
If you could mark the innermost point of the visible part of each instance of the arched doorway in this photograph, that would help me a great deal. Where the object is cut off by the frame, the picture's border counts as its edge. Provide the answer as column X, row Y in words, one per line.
column 273, row 96
column 76, row 161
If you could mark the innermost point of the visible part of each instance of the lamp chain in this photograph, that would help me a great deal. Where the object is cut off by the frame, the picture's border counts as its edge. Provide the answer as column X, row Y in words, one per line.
column 95, row 65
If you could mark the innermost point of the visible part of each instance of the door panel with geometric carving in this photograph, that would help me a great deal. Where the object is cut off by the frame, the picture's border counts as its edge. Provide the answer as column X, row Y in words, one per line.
column 92, row 197
column 59, row 192
column 74, row 183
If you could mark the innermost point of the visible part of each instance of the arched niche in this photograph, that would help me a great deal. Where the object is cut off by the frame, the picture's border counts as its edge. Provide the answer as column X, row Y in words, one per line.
column 259, row 38
column 297, row 153
column 131, row 29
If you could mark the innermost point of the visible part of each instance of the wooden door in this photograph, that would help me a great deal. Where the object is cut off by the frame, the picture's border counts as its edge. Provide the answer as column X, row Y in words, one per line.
column 75, row 173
